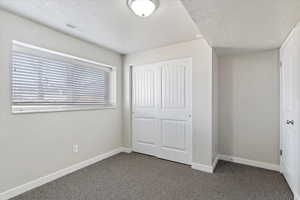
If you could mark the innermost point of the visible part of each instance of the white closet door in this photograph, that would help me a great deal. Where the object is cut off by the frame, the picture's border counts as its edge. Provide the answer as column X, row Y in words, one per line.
column 145, row 105
column 290, row 54
column 162, row 108
column 176, row 111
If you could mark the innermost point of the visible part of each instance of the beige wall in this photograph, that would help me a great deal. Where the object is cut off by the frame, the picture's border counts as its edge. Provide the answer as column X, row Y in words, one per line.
column 34, row 145
column 201, row 53
column 249, row 106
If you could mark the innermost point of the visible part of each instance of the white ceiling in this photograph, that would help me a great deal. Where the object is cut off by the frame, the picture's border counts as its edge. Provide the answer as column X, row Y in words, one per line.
column 110, row 23
column 244, row 24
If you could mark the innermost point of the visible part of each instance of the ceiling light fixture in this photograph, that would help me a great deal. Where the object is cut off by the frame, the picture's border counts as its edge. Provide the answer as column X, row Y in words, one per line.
column 143, row 8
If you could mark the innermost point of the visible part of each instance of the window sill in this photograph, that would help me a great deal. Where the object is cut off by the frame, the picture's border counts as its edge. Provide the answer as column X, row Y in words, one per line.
column 18, row 109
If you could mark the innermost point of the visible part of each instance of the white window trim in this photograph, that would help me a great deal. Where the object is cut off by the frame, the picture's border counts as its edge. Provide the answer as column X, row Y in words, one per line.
column 16, row 109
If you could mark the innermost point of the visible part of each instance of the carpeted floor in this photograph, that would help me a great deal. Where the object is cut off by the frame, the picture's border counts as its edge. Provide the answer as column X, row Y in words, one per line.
column 140, row 177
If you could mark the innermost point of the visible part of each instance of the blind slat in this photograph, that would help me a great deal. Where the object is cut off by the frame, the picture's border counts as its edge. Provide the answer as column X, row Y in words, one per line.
column 50, row 69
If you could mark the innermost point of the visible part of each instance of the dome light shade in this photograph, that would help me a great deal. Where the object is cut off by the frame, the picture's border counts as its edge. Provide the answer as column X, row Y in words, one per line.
column 143, row 8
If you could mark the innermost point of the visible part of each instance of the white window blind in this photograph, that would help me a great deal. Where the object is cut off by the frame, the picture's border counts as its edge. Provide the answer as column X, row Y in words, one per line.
column 46, row 81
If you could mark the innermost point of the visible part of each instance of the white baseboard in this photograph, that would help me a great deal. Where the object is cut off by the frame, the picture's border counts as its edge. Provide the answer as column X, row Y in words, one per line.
column 252, row 163
column 215, row 163
column 126, row 150
column 203, row 168
column 58, row 174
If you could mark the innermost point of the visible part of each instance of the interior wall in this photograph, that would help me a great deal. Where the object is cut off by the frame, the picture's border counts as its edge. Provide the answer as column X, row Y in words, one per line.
column 34, row 145
column 249, row 106
column 201, row 53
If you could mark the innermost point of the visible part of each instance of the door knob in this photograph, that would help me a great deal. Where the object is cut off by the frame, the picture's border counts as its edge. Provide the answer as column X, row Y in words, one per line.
column 290, row 122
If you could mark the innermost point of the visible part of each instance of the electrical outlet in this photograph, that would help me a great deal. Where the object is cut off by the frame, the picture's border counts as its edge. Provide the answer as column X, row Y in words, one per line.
column 75, row 148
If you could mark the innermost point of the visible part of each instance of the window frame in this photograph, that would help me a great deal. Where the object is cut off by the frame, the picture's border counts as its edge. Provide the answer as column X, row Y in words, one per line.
column 36, row 108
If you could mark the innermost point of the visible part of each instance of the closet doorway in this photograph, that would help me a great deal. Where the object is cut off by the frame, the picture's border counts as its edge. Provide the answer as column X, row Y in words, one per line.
column 162, row 110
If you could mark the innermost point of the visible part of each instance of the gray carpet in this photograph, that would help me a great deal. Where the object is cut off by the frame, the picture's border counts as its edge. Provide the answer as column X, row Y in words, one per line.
column 139, row 177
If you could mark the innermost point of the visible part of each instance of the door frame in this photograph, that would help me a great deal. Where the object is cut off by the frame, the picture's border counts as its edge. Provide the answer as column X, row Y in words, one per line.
column 281, row 116
column 131, row 98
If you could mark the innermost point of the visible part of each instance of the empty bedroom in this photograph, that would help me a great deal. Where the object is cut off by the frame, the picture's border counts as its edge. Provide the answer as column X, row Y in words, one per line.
column 149, row 100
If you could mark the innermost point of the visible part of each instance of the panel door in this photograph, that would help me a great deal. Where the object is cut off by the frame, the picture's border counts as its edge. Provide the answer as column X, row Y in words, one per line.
column 289, row 137
column 145, row 105
column 176, row 111
column 162, row 117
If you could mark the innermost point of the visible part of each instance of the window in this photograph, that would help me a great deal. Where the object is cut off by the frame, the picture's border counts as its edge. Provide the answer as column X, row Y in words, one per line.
column 44, row 80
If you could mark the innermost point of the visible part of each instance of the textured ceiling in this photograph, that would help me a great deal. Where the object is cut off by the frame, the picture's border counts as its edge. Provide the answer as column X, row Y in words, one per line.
column 110, row 23
column 244, row 24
